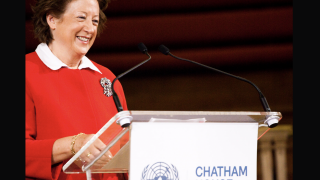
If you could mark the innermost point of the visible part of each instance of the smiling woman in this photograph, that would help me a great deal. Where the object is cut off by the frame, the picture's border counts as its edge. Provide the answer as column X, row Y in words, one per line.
column 74, row 30
column 65, row 104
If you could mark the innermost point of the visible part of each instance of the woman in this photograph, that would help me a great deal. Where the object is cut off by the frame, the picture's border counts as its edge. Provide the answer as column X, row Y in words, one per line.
column 65, row 102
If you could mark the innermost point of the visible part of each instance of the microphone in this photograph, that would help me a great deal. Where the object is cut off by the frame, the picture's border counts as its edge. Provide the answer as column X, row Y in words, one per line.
column 272, row 121
column 144, row 50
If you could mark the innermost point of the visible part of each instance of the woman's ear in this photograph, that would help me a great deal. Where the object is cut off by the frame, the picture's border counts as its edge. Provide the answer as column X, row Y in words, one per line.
column 52, row 21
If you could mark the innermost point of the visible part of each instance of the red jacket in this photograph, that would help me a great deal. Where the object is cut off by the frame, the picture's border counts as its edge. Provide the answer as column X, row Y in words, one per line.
column 62, row 103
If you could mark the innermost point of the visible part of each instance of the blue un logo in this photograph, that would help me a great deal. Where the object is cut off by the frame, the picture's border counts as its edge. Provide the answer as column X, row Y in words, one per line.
column 160, row 171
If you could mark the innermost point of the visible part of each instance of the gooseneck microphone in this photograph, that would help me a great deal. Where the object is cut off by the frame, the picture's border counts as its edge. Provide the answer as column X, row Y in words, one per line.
column 265, row 105
column 163, row 49
column 144, row 50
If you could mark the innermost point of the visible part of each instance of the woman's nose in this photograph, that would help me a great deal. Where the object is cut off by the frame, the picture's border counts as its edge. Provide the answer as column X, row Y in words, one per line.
column 89, row 27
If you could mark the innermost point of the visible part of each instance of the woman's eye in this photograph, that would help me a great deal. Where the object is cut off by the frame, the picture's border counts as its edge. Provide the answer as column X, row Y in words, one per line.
column 95, row 21
column 82, row 17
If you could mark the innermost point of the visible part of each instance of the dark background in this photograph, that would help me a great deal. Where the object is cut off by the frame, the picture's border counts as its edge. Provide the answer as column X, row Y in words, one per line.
column 248, row 38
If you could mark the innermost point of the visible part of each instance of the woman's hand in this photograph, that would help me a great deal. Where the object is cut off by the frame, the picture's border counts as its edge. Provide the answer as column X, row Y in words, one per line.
column 91, row 152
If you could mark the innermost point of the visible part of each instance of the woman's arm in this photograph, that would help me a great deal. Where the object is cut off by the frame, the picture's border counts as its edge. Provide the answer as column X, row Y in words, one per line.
column 42, row 154
column 61, row 149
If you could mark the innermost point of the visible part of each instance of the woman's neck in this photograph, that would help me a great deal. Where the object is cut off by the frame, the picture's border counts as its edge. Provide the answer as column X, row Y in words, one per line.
column 71, row 60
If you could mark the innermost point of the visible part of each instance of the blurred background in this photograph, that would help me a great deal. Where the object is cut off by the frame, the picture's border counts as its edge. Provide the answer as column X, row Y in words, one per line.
column 248, row 38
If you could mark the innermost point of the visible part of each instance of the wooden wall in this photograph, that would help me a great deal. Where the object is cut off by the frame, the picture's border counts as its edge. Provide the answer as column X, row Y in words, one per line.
column 248, row 38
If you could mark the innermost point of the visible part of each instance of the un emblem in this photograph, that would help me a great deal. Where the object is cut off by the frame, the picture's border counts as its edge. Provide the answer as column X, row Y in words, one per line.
column 160, row 171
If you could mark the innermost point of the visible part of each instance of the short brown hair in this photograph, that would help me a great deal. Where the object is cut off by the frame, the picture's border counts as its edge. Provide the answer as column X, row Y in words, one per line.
column 41, row 28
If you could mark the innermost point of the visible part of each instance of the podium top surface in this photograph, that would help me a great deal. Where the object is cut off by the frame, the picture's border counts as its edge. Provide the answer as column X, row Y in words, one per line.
column 202, row 116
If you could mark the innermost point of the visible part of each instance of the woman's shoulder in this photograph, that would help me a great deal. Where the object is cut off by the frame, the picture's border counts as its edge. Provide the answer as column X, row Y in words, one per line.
column 103, row 69
column 31, row 60
column 33, row 64
column 31, row 55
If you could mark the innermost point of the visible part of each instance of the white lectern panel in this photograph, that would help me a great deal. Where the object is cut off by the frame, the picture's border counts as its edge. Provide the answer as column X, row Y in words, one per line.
column 193, row 151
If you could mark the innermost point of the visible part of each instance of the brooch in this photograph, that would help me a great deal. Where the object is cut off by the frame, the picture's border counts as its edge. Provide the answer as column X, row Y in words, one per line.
column 106, row 84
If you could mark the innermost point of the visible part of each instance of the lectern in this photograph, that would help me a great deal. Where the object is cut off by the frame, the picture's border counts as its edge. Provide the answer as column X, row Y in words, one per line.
column 180, row 145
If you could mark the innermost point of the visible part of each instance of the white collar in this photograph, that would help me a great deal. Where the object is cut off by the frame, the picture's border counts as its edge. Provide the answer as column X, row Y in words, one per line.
column 54, row 63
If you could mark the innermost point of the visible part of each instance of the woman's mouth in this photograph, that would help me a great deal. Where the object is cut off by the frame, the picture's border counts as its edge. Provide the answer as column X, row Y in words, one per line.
column 83, row 39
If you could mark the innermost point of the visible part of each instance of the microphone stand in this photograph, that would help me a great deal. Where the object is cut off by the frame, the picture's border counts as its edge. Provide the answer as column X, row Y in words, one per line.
column 144, row 50
column 270, row 120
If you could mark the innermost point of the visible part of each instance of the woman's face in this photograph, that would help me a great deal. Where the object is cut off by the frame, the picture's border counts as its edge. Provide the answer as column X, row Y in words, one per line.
column 76, row 30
